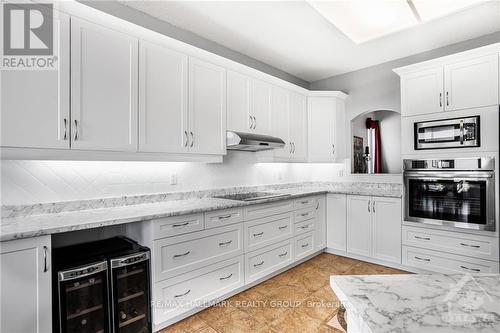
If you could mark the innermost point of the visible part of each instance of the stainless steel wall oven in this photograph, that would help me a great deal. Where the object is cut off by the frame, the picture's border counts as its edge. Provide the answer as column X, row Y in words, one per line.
column 453, row 192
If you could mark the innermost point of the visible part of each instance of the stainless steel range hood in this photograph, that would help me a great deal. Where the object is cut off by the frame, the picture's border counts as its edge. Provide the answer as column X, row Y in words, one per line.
column 252, row 142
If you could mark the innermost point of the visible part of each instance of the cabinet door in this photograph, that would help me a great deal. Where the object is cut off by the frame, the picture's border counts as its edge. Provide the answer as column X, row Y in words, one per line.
column 298, row 126
column 261, row 106
column 35, row 103
column 471, row 83
column 422, row 92
column 238, row 102
column 359, row 225
column 387, row 222
column 320, row 228
column 207, row 107
column 280, row 123
column 336, row 225
column 163, row 84
column 321, row 115
column 26, row 298
column 104, row 70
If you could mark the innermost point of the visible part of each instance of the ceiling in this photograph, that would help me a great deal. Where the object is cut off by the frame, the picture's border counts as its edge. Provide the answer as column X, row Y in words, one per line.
column 294, row 37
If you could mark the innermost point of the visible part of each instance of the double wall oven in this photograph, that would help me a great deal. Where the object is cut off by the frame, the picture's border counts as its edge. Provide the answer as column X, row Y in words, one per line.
column 454, row 192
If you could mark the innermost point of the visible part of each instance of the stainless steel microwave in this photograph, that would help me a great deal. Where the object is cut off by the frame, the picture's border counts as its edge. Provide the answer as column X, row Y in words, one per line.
column 447, row 133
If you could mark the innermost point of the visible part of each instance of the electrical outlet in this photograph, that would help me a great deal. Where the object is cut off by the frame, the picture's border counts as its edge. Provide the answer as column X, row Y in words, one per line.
column 173, row 179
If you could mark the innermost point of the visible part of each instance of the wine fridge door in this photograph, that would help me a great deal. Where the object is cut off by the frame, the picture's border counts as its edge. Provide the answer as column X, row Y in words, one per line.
column 130, row 290
column 83, row 299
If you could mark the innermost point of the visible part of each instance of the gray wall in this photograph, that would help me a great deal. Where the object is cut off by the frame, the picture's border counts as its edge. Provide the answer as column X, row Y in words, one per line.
column 129, row 14
column 377, row 87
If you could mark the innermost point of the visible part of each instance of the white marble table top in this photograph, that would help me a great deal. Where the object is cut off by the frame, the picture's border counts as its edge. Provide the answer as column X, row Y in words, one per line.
column 431, row 303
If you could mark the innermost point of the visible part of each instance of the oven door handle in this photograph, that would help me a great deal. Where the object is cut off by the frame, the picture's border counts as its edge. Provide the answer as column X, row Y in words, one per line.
column 457, row 175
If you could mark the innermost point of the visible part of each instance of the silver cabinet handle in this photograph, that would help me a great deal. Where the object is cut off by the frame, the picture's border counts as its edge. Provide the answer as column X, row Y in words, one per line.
column 259, row 264
column 305, row 227
column 304, row 214
column 293, row 143
column 182, row 255
column 187, row 292
column 469, row 245
column 192, row 139
column 45, row 266
column 225, row 243
column 369, row 206
column 470, row 269
column 65, row 129
column 186, row 138
column 422, row 238
column 258, row 234
column 76, row 129
column 283, row 254
column 373, row 206
column 447, row 99
column 440, row 99
column 422, row 259
column 305, row 245
column 254, row 122
column 333, row 149
column 251, row 121
column 226, row 277
column 180, row 225
column 283, row 227
column 223, row 217
column 317, row 205
column 291, row 147
column 305, row 202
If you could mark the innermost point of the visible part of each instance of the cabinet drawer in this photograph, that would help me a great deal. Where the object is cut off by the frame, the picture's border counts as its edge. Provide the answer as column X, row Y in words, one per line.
column 477, row 246
column 181, row 254
column 304, row 226
column 268, row 209
column 309, row 202
column 304, row 214
column 304, row 245
column 180, row 294
column 267, row 260
column 269, row 230
column 223, row 217
column 446, row 263
column 177, row 225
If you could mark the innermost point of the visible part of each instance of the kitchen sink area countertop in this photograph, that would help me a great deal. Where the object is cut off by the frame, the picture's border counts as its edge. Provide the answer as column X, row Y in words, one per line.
column 43, row 219
column 420, row 303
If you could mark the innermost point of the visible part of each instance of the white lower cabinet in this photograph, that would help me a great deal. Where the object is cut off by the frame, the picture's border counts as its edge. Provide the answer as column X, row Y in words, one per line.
column 175, row 296
column 267, row 260
column 304, row 245
column 25, row 286
column 336, row 225
column 320, row 227
column 446, row 263
column 374, row 227
column 268, row 230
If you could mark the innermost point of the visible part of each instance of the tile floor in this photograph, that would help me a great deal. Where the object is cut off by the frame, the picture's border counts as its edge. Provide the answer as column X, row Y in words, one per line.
column 298, row 300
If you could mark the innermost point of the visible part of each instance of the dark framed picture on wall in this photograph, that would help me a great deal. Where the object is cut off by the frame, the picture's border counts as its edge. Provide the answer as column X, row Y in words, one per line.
column 357, row 154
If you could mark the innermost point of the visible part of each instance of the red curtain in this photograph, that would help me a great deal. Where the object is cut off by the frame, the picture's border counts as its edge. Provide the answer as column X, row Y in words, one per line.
column 377, row 148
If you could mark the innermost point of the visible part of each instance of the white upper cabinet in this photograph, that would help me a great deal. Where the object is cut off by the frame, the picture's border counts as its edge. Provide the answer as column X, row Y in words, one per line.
column 163, row 99
column 280, row 120
column 326, row 122
column 260, row 106
column 238, row 102
column 461, row 81
column 422, row 92
column 471, row 83
column 104, row 88
column 207, row 108
column 35, row 103
column 298, row 126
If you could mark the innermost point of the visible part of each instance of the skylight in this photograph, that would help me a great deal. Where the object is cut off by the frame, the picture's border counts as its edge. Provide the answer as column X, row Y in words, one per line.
column 364, row 20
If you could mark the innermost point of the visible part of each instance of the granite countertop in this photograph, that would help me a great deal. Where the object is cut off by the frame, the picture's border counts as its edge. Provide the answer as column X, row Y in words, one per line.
column 44, row 219
column 421, row 303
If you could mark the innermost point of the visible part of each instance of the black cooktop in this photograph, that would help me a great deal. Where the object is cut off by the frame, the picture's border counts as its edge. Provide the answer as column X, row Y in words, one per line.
column 252, row 196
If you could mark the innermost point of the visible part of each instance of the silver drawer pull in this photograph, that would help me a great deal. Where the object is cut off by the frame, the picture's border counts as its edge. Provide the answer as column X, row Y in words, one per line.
column 304, row 214
column 223, row 217
column 187, row 292
column 305, row 245
column 283, row 254
column 422, row 259
column 180, row 225
column 422, row 238
column 227, row 277
column 283, row 227
column 305, row 226
column 470, row 269
column 304, row 202
column 258, row 234
column 259, row 264
column 182, row 255
column 469, row 245
column 225, row 243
